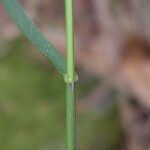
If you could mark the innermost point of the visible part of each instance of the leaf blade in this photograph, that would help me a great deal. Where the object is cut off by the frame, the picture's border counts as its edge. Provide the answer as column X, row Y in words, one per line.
column 18, row 14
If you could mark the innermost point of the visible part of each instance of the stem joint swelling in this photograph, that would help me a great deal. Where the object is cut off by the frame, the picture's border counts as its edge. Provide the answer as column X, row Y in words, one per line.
column 68, row 80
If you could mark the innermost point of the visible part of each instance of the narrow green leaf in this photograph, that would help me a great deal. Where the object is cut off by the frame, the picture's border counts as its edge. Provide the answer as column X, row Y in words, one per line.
column 18, row 14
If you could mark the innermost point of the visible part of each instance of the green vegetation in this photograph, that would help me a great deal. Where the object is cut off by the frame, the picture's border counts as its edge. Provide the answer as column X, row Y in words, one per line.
column 18, row 14
column 70, row 76
column 32, row 106
column 32, row 111
column 20, row 17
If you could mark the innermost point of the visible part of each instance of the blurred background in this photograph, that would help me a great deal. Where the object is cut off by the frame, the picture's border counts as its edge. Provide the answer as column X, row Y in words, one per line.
column 113, row 91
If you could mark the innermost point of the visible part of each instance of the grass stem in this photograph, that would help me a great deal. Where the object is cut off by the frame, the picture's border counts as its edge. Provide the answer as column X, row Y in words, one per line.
column 70, row 79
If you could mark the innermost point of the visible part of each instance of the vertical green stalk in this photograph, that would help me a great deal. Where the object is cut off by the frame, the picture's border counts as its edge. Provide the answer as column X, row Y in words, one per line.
column 70, row 39
column 70, row 115
column 70, row 101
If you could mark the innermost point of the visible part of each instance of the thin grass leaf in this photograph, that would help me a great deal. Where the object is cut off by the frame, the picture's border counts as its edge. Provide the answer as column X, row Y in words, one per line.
column 18, row 14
